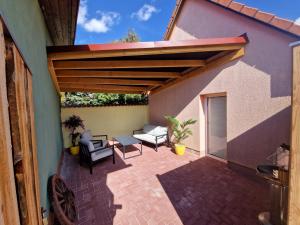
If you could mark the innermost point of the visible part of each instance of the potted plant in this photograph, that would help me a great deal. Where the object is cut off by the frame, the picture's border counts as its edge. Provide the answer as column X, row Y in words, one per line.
column 180, row 131
column 72, row 123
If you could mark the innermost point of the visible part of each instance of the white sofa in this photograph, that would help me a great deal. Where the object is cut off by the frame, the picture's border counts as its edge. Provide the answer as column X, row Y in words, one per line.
column 152, row 134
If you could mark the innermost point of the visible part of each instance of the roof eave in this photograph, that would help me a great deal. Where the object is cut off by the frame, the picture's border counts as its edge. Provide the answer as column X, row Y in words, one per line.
column 61, row 18
column 180, row 3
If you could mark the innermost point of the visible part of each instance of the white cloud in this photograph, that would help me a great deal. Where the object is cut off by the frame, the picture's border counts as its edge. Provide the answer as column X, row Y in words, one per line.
column 82, row 13
column 144, row 13
column 98, row 25
column 297, row 21
column 103, row 24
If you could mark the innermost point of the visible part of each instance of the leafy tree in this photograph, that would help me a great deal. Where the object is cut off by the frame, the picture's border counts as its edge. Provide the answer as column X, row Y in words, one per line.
column 130, row 37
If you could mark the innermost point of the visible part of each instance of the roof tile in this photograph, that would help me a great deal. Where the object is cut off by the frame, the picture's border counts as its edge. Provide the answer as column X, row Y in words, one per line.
column 224, row 2
column 281, row 23
column 265, row 17
column 249, row 11
column 236, row 6
column 295, row 29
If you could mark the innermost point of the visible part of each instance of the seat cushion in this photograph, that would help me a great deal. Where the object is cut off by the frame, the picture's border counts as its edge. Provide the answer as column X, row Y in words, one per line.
column 150, row 138
column 101, row 154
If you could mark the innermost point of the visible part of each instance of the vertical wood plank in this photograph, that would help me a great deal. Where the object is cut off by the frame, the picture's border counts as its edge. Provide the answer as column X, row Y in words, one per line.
column 24, row 124
column 294, row 187
column 33, row 143
column 8, row 200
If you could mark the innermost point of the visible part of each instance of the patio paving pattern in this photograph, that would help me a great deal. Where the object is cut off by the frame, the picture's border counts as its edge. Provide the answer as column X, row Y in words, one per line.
column 163, row 188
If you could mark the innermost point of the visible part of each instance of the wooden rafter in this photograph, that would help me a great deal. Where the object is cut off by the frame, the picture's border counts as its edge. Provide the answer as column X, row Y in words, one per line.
column 117, row 53
column 83, row 81
column 104, row 87
column 88, row 68
column 213, row 64
column 115, row 74
column 53, row 75
column 126, row 64
column 97, row 90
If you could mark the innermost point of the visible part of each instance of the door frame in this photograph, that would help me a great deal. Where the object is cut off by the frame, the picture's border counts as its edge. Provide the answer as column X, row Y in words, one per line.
column 204, row 120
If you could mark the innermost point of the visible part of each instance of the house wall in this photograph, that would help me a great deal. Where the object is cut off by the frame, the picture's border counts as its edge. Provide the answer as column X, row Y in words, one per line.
column 26, row 24
column 111, row 120
column 258, row 86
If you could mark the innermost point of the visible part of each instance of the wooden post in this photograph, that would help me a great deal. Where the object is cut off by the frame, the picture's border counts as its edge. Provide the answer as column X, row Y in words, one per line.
column 8, row 200
column 294, row 187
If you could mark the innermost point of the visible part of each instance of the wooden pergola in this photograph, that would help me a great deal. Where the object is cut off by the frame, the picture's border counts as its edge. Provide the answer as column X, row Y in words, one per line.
column 142, row 67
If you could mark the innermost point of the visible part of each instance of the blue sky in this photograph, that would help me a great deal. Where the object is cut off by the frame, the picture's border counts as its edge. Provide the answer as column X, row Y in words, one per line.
column 103, row 21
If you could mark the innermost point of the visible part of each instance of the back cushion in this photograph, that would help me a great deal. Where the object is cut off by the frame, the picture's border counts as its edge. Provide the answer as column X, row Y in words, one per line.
column 87, row 135
column 160, row 130
column 88, row 143
column 149, row 129
column 155, row 130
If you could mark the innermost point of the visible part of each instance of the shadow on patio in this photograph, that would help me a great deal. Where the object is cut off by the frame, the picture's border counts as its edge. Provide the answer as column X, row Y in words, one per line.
column 94, row 200
column 206, row 191
column 163, row 188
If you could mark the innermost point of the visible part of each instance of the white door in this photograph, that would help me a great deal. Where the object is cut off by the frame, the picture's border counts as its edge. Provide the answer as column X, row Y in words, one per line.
column 216, row 127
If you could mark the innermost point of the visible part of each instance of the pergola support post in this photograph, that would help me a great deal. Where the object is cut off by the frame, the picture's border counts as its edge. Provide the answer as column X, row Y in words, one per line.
column 294, row 185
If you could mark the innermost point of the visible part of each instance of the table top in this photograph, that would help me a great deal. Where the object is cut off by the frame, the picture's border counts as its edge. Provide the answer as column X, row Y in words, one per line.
column 127, row 140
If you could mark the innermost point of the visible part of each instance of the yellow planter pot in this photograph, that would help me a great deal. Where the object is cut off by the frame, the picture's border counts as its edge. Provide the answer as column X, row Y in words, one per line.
column 74, row 150
column 179, row 149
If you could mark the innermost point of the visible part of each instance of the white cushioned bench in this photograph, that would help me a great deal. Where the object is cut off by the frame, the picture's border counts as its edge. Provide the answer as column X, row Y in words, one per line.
column 152, row 134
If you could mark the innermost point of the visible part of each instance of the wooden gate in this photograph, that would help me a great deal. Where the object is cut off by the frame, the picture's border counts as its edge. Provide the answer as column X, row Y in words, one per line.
column 21, row 132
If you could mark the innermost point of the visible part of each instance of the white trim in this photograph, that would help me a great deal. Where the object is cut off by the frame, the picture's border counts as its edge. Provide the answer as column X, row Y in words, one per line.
column 294, row 44
column 217, row 158
column 203, row 120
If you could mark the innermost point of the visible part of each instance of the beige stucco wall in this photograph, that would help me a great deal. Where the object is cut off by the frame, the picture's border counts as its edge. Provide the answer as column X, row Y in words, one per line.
column 258, row 86
column 110, row 120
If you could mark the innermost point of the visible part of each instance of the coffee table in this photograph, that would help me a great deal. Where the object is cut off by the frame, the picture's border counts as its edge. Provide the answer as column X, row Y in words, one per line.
column 128, row 140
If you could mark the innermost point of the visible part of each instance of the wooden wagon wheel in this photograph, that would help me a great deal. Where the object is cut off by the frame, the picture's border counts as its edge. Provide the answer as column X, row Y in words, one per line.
column 62, row 200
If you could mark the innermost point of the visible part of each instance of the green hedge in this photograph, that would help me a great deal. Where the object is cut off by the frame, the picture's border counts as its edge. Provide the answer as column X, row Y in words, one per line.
column 70, row 99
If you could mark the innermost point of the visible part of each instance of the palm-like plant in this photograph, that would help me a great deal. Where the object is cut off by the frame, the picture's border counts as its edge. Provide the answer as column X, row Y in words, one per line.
column 181, row 131
column 72, row 123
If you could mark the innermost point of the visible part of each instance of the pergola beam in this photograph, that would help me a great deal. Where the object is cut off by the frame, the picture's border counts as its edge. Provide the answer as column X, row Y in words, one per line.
column 53, row 75
column 145, row 48
column 97, row 90
column 115, row 74
column 103, row 87
column 116, row 64
column 86, row 81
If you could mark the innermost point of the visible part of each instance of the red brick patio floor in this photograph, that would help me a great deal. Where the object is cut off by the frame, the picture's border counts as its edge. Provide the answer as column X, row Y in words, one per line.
column 163, row 188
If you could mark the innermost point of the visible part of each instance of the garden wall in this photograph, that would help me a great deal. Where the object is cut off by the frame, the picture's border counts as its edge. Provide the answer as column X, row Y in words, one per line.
column 110, row 120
